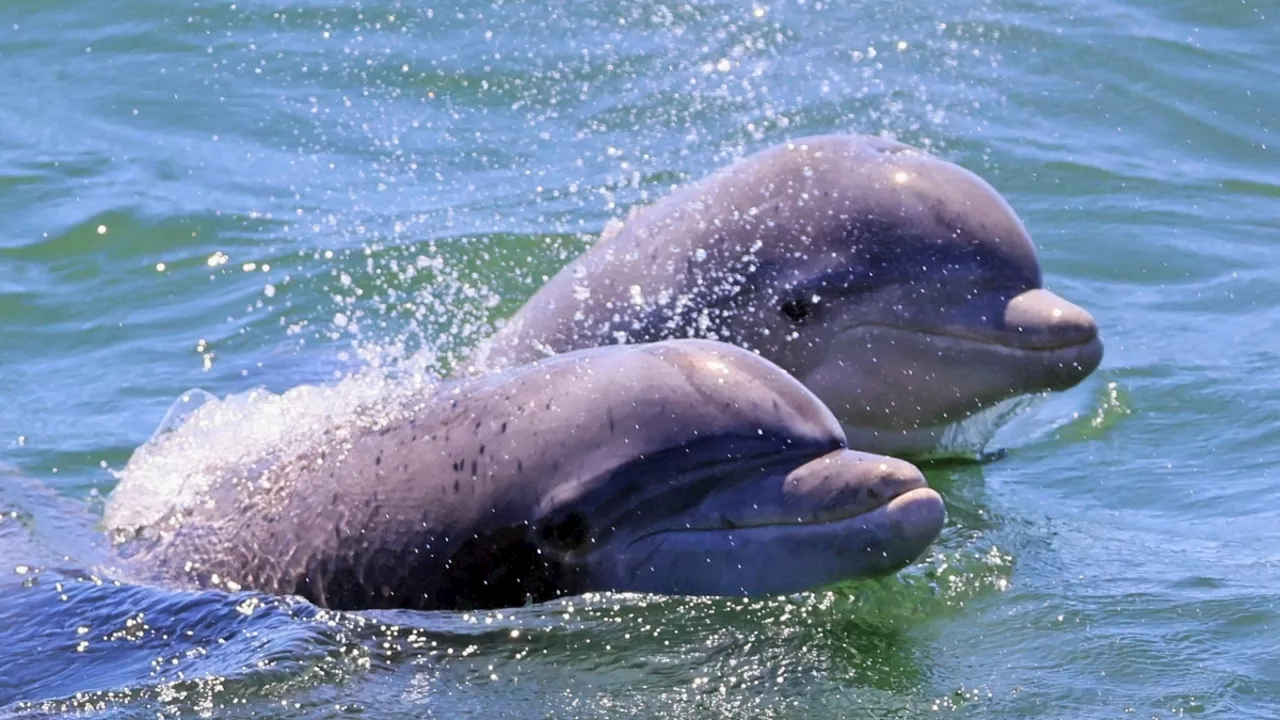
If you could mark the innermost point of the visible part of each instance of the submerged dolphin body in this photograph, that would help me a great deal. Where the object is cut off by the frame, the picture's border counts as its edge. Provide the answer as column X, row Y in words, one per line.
column 680, row 467
column 900, row 288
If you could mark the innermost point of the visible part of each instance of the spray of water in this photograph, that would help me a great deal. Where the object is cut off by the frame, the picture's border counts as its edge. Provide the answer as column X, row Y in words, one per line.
column 204, row 440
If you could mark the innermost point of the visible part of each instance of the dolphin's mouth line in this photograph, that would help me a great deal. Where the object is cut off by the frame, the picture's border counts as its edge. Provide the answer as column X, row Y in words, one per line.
column 995, row 339
column 723, row 524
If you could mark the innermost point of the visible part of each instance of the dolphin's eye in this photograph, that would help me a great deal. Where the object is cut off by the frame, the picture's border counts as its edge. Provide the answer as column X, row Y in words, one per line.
column 567, row 532
column 797, row 310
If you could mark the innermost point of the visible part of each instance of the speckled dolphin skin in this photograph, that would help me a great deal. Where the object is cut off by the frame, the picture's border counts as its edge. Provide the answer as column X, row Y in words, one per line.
column 678, row 467
column 900, row 288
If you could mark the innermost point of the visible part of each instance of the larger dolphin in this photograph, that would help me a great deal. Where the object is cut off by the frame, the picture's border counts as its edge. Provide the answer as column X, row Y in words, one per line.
column 900, row 288
column 682, row 467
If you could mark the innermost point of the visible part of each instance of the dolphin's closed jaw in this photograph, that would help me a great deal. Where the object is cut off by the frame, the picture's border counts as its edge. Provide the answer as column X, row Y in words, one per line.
column 839, row 485
column 841, row 516
column 1065, row 333
column 846, row 483
column 891, row 513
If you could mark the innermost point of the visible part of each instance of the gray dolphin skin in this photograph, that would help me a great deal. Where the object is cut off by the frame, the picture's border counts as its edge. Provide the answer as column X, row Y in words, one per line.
column 679, row 467
column 900, row 288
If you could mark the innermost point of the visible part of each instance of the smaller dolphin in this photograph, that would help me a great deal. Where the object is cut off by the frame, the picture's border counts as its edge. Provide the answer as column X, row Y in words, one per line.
column 680, row 467
column 900, row 288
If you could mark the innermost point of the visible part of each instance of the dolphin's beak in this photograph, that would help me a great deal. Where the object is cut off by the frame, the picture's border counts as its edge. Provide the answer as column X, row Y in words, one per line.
column 841, row 516
column 1047, row 322
column 1065, row 334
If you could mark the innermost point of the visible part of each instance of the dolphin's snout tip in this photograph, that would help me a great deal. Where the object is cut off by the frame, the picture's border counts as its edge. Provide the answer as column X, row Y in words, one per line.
column 899, row 476
column 1050, row 321
column 917, row 517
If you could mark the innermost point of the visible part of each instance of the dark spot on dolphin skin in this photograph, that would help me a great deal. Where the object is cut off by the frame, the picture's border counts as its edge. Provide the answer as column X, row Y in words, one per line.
column 567, row 532
column 456, row 486
column 379, row 580
column 502, row 568
column 504, row 426
column 473, row 468
column 478, row 423
column 609, row 412
column 385, row 431
column 798, row 310
column 548, row 404
column 378, row 460
column 519, row 466
column 873, row 493
column 482, row 449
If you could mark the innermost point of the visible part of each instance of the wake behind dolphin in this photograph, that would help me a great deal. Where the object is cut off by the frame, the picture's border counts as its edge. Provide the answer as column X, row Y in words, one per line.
column 900, row 288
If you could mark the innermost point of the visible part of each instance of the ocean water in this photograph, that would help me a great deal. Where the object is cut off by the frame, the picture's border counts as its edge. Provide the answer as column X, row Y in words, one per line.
column 254, row 194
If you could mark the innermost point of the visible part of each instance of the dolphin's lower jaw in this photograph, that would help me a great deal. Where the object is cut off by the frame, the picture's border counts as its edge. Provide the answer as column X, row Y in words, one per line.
column 1047, row 367
column 784, row 557
column 906, row 385
column 1082, row 353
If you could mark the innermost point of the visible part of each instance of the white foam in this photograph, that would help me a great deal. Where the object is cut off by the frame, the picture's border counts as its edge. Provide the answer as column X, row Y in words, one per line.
column 203, row 439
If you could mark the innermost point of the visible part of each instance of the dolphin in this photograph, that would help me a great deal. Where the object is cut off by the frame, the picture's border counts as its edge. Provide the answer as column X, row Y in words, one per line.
column 902, row 289
column 681, row 467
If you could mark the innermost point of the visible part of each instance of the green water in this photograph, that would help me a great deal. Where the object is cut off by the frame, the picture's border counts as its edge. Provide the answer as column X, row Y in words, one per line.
column 238, row 195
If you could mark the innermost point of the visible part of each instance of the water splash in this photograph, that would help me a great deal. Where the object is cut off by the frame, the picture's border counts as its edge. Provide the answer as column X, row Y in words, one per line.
column 203, row 440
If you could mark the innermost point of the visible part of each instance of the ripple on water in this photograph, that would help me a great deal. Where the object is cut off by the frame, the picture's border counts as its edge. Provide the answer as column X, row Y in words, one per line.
column 107, row 645
column 113, row 646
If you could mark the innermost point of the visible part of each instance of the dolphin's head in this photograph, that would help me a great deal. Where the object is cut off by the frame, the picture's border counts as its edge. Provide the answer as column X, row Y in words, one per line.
column 736, row 482
column 899, row 287
column 912, row 298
